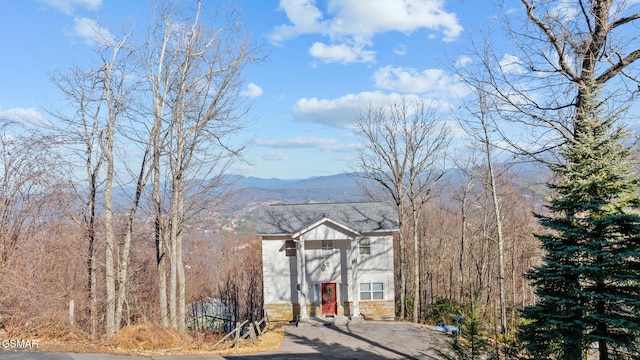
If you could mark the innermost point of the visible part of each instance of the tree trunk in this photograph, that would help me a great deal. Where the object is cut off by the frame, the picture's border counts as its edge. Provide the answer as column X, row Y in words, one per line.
column 91, row 256
column 180, row 267
column 498, row 219
column 463, row 235
column 173, row 278
column 416, row 263
column 93, row 294
column 109, row 263
column 402, row 270
column 110, row 274
column 160, row 240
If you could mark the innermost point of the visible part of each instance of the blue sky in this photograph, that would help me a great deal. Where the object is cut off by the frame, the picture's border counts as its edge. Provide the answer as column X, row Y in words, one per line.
column 327, row 61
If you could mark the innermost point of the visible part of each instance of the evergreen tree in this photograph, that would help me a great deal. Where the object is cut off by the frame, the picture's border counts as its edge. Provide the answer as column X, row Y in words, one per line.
column 472, row 341
column 589, row 281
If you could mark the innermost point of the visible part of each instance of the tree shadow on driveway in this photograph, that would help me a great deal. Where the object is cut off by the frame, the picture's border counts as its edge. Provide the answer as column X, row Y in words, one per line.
column 380, row 340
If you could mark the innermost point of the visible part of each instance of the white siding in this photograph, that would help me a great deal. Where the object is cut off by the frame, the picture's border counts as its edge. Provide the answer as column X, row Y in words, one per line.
column 279, row 273
column 381, row 257
column 325, row 266
column 377, row 267
column 325, row 232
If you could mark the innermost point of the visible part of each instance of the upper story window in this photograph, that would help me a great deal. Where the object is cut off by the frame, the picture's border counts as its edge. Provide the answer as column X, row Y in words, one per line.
column 327, row 244
column 290, row 248
column 365, row 246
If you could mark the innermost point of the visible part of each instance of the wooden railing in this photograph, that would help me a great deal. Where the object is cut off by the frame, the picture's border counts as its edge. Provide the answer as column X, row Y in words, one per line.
column 254, row 330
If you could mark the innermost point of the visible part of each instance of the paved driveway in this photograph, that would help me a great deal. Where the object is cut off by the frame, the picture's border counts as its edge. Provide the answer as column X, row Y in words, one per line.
column 368, row 340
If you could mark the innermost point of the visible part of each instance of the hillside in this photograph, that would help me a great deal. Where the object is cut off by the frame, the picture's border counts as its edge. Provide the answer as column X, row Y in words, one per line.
column 250, row 192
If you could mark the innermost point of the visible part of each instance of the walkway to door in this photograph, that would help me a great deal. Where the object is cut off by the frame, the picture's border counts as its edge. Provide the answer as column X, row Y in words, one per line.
column 366, row 340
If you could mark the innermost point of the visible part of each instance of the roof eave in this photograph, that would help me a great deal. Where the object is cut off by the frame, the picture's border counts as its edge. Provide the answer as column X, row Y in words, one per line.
column 308, row 228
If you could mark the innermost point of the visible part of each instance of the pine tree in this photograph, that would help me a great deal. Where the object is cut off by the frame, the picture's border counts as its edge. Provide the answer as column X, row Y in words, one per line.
column 589, row 281
column 472, row 341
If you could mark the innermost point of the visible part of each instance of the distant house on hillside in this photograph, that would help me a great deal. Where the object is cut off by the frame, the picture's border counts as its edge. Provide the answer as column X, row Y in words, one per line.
column 336, row 259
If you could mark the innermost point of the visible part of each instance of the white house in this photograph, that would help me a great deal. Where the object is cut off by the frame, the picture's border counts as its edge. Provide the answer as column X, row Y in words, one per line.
column 336, row 258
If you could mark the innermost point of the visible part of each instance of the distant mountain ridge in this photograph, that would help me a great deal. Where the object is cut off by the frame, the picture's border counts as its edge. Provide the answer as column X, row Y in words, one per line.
column 250, row 193
column 333, row 188
column 344, row 187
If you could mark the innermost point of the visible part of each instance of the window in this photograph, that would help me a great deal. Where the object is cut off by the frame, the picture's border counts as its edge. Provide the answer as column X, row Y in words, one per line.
column 327, row 244
column 365, row 246
column 318, row 294
column 371, row 291
column 290, row 248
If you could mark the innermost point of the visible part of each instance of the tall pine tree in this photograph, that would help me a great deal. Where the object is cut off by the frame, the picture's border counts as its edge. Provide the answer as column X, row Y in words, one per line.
column 589, row 281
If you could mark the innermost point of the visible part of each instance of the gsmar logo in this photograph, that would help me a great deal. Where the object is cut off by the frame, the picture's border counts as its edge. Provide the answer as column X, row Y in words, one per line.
column 18, row 343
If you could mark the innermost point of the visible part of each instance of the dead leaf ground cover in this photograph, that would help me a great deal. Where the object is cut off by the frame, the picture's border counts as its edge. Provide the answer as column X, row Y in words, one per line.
column 141, row 340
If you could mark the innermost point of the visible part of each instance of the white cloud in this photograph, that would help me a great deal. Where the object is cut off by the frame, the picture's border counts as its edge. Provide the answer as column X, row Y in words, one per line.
column 91, row 32
column 356, row 22
column 511, row 64
column 463, row 61
column 565, row 11
column 310, row 142
column 297, row 142
column 433, row 82
column 23, row 116
column 400, row 49
column 377, row 16
column 253, row 91
column 343, row 112
column 67, row 6
column 305, row 18
column 273, row 156
column 341, row 53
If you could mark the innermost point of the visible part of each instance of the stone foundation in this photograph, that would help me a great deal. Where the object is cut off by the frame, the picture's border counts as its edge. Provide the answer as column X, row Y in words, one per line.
column 313, row 310
column 370, row 310
column 281, row 311
column 378, row 310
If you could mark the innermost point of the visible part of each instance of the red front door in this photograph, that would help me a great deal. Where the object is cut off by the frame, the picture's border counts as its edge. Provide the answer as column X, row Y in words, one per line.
column 329, row 295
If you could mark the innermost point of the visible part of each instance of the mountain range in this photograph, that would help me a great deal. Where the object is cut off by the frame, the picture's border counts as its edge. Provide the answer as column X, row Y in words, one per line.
column 346, row 187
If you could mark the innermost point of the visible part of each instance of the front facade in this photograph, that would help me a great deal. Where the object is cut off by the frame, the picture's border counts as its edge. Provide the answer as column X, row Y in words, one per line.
column 328, row 260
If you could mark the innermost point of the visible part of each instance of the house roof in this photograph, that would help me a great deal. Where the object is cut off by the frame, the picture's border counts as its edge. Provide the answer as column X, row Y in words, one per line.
column 360, row 216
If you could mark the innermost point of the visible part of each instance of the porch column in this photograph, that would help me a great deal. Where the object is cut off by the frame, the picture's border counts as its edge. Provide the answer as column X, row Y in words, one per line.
column 302, row 298
column 355, row 285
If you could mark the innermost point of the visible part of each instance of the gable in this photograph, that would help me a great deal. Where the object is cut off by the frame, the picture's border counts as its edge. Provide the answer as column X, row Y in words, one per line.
column 326, row 230
column 361, row 217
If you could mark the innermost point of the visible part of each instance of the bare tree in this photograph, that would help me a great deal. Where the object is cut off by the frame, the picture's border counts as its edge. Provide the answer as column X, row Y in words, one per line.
column 99, row 98
column 115, row 97
column 561, row 49
column 478, row 127
column 466, row 167
column 195, row 71
column 80, row 133
column 403, row 148
column 29, row 174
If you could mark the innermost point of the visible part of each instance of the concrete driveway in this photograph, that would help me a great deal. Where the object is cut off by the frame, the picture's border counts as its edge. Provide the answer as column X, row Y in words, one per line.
column 317, row 340
column 365, row 340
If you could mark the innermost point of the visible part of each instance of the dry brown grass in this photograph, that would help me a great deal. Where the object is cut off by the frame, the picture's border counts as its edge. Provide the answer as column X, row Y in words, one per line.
column 142, row 339
column 149, row 337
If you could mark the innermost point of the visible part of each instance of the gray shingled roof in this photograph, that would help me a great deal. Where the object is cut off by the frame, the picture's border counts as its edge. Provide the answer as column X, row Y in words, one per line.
column 360, row 216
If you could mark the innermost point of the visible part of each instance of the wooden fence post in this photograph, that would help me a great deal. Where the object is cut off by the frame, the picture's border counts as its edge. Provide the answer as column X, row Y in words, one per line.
column 71, row 311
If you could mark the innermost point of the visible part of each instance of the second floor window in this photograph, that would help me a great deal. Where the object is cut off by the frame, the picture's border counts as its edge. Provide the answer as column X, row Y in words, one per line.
column 365, row 246
column 327, row 244
column 290, row 248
